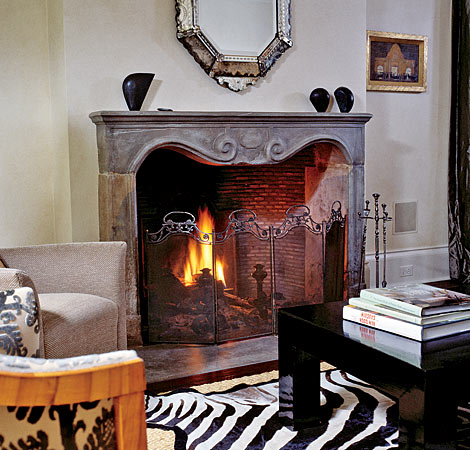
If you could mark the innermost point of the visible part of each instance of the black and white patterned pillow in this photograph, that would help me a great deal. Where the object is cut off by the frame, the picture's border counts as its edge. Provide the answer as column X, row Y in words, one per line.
column 19, row 322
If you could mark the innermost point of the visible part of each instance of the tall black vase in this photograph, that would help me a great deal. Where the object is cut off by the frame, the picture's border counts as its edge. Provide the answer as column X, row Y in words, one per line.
column 320, row 99
column 135, row 87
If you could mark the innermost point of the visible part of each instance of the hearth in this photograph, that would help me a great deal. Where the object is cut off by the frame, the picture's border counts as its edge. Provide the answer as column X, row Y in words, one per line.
column 242, row 168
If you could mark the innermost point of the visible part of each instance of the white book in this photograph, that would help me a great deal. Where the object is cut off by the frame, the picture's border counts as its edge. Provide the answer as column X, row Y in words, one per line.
column 372, row 305
column 402, row 328
column 418, row 299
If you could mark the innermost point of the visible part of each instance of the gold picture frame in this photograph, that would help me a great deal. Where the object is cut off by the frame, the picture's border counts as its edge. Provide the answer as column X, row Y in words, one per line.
column 396, row 62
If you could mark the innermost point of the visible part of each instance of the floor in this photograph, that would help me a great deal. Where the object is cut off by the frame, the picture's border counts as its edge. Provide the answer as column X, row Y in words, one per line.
column 171, row 366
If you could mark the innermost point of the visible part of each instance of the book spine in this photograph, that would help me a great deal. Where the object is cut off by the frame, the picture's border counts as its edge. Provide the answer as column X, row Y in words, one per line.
column 407, row 329
column 398, row 304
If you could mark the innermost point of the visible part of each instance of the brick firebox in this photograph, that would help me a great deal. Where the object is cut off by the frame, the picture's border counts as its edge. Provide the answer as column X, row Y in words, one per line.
column 327, row 150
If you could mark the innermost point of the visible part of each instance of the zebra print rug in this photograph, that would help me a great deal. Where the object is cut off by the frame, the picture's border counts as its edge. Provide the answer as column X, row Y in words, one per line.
column 246, row 417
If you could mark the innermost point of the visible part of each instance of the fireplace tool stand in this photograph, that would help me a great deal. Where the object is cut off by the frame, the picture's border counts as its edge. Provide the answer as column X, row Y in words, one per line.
column 365, row 216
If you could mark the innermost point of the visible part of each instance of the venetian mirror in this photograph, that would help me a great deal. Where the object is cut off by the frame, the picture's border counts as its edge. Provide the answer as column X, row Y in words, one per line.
column 235, row 41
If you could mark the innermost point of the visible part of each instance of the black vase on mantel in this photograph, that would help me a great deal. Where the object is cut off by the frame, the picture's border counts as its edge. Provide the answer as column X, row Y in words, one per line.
column 135, row 87
column 320, row 99
column 345, row 99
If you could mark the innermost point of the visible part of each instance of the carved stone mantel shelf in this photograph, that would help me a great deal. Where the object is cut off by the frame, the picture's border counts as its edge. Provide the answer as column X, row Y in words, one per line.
column 125, row 139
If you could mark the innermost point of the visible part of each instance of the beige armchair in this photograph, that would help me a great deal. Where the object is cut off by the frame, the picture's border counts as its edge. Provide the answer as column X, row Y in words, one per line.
column 81, row 291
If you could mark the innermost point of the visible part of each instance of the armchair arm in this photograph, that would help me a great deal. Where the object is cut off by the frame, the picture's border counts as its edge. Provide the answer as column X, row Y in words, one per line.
column 96, row 268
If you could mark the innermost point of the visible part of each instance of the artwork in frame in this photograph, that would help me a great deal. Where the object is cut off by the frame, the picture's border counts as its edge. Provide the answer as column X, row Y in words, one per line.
column 396, row 62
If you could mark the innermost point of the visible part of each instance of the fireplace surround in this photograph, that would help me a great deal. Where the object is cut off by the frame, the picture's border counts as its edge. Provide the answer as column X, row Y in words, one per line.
column 236, row 142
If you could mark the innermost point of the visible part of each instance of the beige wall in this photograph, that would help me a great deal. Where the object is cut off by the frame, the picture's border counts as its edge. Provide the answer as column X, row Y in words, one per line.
column 407, row 140
column 30, row 172
column 62, row 59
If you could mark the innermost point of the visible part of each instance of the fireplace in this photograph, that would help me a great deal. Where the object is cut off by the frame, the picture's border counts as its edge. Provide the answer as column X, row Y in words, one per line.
column 223, row 247
column 242, row 168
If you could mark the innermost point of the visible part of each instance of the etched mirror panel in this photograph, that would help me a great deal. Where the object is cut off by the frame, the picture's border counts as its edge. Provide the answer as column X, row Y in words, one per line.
column 235, row 43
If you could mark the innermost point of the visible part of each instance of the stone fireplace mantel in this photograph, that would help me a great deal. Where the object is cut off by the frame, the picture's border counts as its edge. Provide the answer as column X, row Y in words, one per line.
column 125, row 139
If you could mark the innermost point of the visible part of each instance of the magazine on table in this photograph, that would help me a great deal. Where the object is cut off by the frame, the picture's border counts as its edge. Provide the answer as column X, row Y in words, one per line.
column 418, row 299
column 402, row 328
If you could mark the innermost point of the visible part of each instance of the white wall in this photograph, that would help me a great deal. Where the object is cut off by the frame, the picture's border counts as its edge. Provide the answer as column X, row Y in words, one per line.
column 29, row 168
column 105, row 40
column 407, row 139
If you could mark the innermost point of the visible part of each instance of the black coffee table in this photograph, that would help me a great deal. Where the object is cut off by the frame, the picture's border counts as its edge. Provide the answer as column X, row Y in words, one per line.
column 427, row 390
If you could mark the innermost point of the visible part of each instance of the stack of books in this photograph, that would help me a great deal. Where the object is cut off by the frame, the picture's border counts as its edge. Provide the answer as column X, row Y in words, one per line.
column 416, row 311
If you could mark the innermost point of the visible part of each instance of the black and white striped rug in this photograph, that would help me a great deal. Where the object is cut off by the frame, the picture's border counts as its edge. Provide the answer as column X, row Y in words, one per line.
column 246, row 417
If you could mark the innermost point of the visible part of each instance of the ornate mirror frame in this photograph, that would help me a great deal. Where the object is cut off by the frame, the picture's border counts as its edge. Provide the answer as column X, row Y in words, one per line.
column 235, row 72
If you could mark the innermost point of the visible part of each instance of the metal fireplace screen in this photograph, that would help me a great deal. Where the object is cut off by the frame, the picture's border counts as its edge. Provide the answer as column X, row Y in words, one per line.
column 205, row 286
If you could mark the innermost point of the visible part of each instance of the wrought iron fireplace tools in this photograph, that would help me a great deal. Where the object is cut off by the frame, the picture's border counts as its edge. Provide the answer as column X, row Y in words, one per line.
column 365, row 215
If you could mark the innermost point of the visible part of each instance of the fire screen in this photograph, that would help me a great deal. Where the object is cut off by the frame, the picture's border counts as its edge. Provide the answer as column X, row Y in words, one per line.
column 205, row 286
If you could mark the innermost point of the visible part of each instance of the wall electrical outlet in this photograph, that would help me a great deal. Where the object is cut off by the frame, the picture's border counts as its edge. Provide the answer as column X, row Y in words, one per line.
column 406, row 271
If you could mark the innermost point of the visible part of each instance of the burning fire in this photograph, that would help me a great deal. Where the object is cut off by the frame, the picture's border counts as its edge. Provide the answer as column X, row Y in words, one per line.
column 200, row 255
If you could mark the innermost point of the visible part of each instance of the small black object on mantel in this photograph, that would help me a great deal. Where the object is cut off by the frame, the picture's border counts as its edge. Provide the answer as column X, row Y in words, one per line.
column 345, row 99
column 320, row 99
column 135, row 87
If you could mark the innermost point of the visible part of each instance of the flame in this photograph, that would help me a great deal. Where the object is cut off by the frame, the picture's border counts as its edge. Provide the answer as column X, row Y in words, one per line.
column 200, row 255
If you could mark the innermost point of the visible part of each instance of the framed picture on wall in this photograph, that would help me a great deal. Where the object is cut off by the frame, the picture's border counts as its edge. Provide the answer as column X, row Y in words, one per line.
column 396, row 62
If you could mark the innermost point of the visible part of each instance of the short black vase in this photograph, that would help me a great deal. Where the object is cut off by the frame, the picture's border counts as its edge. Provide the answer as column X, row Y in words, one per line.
column 345, row 99
column 135, row 87
column 320, row 99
